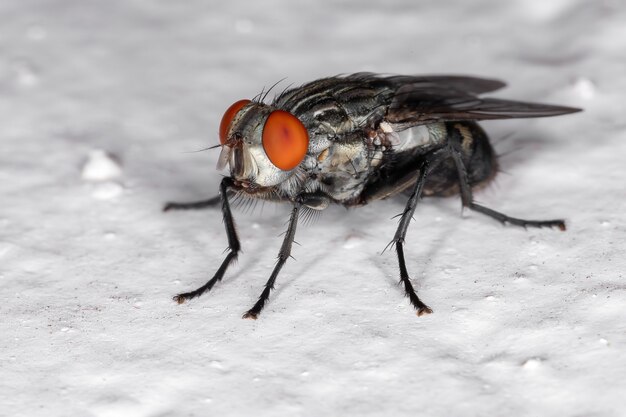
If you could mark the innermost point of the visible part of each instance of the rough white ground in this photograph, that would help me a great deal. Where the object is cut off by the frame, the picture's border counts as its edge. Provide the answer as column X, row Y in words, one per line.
column 102, row 104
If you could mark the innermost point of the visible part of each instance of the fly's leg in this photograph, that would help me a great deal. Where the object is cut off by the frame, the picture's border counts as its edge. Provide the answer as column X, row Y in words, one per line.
column 398, row 239
column 283, row 255
column 233, row 246
column 504, row 219
column 468, row 200
column 211, row 202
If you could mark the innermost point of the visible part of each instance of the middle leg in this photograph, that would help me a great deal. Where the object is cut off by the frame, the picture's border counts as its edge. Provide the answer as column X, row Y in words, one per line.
column 429, row 163
column 283, row 255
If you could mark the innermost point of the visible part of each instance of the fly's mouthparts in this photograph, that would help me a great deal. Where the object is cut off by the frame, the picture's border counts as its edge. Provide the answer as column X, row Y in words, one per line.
column 244, row 184
column 237, row 165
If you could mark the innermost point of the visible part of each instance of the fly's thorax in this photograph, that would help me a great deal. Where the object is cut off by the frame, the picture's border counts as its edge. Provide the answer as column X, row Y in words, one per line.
column 339, row 169
column 319, row 141
column 413, row 137
column 399, row 138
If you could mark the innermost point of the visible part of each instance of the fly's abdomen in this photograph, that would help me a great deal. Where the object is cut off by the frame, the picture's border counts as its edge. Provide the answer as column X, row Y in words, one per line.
column 477, row 154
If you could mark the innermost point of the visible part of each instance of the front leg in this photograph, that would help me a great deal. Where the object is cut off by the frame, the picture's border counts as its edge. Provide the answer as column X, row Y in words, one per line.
column 211, row 202
column 283, row 255
column 233, row 245
column 426, row 167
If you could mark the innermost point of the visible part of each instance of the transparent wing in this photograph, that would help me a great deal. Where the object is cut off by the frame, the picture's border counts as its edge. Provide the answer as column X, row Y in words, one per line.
column 413, row 104
column 351, row 101
column 364, row 86
column 461, row 83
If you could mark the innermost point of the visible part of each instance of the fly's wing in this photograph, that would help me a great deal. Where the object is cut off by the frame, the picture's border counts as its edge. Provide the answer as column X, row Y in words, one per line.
column 345, row 90
column 473, row 85
column 349, row 102
column 414, row 105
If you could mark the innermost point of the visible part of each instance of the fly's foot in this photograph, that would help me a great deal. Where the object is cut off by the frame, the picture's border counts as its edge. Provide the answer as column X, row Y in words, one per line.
column 180, row 206
column 561, row 225
column 423, row 310
column 504, row 219
column 180, row 298
column 195, row 205
column 252, row 315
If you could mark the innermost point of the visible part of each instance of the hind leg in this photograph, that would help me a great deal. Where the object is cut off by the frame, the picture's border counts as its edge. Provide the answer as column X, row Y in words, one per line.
column 468, row 199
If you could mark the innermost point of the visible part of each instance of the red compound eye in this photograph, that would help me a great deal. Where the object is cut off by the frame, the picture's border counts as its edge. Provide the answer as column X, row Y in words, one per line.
column 228, row 117
column 285, row 140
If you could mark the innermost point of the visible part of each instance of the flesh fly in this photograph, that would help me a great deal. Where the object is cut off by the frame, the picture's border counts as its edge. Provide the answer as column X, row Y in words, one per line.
column 355, row 139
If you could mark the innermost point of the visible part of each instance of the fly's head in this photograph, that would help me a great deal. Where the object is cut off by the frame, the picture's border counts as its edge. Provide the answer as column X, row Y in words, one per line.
column 262, row 145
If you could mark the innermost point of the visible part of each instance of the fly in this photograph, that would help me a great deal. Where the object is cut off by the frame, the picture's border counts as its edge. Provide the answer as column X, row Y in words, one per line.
column 351, row 140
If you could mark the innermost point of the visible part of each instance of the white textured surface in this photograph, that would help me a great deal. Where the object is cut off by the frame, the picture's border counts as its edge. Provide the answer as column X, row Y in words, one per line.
column 526, row 322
